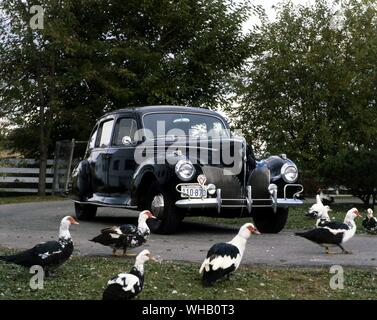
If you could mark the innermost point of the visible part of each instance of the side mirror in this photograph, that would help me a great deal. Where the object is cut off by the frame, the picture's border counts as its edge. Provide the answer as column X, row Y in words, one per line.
column 126, row 140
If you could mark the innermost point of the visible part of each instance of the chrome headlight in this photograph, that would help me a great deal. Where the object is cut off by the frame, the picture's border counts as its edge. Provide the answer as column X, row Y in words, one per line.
column 185, row 170
column 289, row 172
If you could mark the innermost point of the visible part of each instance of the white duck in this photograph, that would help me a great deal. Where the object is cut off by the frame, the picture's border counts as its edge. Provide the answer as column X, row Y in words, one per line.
column 316, row 209
column 323, row 217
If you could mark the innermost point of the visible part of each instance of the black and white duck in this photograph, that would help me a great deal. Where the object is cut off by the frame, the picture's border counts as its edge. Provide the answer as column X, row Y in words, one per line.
column 49, row 255
column 370, row 222
column 224, row 258
column 127, row 235
column 333, row 233
column 316, row 209
column 126, row 286
column 323, row 217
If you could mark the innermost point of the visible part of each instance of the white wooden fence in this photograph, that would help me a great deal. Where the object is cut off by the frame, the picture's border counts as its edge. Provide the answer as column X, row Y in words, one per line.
column 21, row 175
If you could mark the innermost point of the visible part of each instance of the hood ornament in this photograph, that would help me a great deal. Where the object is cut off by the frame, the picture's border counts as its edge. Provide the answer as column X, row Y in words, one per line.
column 201, row 179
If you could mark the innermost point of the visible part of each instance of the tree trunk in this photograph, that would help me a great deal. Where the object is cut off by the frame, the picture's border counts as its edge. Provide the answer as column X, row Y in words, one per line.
column 42, row 153
column 43, row 136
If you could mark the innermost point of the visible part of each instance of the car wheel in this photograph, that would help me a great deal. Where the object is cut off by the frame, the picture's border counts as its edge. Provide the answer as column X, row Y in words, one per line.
column 85, row 212
column 161, row 203
column 267, row 221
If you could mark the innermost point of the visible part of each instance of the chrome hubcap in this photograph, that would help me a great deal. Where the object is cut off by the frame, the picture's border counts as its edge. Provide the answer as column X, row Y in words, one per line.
column 157, row 205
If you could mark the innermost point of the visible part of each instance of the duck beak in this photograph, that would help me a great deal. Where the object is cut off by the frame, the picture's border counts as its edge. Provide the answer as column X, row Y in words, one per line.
column 73, row 221
column 358, row 214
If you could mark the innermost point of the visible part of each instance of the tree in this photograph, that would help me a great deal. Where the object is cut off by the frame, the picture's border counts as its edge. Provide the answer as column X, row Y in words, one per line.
column 94, row 56
column 310, row 87
column 354, row 169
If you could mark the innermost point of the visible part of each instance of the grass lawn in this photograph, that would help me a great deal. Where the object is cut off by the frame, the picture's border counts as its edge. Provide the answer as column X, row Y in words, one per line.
column 4, row 199
column 86, row 277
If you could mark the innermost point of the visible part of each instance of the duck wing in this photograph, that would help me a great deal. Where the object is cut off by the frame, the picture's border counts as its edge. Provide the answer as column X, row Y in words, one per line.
column 109, row 236
column 335, row 227
column 128, row 228
column 124, row 286
column 44, row 254
column 321, row 236
column 220, row 255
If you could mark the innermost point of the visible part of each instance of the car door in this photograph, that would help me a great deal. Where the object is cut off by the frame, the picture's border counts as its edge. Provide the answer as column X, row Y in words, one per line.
column 98, row 158
column 121, row 159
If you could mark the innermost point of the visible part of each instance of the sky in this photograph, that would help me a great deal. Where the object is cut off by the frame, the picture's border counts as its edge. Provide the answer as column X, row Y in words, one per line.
column 268, row 6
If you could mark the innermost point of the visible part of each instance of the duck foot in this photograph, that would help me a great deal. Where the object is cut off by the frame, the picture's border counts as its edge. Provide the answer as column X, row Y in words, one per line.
column 115, row 253
column 344, row 251
column 328, row 251
column 129, row 254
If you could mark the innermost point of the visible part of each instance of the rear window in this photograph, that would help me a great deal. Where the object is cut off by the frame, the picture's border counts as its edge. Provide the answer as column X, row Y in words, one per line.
column 104, row 134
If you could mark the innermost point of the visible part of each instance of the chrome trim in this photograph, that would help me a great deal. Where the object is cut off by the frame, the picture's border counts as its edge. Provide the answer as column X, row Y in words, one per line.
column 218, row 200
column 98, row 204
column 249, row 199
column 293, row 185
column 284, row 167
column 247, row 202
column 178, row 166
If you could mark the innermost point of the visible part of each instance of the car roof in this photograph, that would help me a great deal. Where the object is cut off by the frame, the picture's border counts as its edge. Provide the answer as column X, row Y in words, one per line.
column 163, row 108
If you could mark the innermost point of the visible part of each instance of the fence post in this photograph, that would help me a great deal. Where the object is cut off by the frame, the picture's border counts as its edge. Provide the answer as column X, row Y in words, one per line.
column 69, row 165
column 55, row 170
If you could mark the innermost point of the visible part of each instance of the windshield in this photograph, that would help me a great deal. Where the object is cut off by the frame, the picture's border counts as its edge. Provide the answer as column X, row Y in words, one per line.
column 183, row 124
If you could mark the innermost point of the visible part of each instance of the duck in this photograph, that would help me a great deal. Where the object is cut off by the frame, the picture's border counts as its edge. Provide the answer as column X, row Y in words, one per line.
column 224, row 258
column 333, row 233
column 370, row 222
column 127, row 235
column 126, row 286
column 316, row 209
column 323, row 217
column 325, row 198
column 49, row 255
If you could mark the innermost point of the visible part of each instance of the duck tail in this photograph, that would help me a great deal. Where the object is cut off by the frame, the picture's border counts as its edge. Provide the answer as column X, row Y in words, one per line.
column 300, row 234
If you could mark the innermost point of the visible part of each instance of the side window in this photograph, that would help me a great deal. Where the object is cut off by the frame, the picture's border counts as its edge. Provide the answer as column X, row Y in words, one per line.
column 104, row 134
column 125, row 127
column 92, row 140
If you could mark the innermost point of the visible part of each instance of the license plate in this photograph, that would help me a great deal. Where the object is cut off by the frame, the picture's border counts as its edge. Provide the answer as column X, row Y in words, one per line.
column 193, row 192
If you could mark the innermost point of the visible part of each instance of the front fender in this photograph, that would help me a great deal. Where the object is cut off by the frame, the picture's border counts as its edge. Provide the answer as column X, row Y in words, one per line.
column 81, row 181
column 274, row 164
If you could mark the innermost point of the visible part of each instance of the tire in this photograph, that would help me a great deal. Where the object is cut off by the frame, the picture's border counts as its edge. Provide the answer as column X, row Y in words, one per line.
column 169, row 217
column 267, row 221
column 85, row 212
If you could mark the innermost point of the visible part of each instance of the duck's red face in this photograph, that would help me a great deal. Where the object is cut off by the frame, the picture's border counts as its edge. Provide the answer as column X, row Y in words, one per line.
column 252, row 229
column 149, row 214
column 72, row 220
column 357, row 213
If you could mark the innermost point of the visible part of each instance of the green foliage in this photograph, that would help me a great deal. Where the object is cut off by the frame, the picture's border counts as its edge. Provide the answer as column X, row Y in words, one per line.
column 355, row 169
column 310, row 87
column 94, row 56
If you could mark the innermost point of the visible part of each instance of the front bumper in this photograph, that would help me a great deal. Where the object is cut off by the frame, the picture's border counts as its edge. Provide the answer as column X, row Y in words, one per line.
column 248, row 202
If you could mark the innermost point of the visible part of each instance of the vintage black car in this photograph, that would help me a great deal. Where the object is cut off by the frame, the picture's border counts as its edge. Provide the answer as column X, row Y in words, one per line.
column 178, row 161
